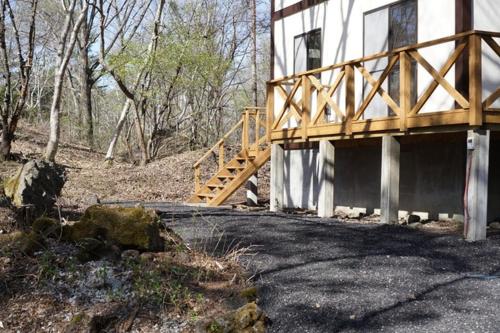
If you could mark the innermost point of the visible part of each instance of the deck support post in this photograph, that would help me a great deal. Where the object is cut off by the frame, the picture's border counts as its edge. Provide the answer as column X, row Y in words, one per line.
column 326, row 177
column 389, row 185
column 476, row 209
column 277, row 174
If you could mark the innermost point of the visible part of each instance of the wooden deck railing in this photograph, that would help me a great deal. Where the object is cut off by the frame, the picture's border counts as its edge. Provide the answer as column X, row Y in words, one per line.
column 251, row 126
column 293, row 116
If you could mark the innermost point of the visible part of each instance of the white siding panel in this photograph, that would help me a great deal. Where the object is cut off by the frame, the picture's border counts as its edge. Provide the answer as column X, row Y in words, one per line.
column 487, row 17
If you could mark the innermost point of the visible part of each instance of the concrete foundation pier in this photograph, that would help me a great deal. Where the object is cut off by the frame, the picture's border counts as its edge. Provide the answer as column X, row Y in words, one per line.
column 277, row 175
column 326, row 176
column 389, row 186
column 476, row 182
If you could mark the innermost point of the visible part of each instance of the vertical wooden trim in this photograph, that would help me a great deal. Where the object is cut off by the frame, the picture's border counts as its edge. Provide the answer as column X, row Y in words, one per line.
column 246, row 120
column 404, row 88
column 475, row 82
column 197, row 178
column 221, row 155
column 306, row 105
column 463, row 22
column 257, row 129
column 349, row 97
column 269, row 110
column 292, row 9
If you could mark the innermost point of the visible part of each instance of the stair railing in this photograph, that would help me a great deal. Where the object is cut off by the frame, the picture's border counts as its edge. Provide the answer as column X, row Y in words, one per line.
column 252, row 121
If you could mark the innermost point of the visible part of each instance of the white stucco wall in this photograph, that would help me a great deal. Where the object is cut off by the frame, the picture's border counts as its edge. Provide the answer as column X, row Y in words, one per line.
column 487, row 17
column 301, row 178
column 341, row 23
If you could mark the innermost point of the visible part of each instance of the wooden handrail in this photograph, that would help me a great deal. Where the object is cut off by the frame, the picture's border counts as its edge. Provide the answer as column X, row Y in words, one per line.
column 294, row 102
column 245, row 124
column 216, row 145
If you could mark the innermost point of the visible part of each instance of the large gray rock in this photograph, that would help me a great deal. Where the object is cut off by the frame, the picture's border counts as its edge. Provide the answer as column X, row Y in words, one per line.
column 36, row 183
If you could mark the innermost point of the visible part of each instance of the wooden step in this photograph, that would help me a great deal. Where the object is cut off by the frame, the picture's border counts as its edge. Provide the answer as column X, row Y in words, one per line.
column 234, row 165
column 225, row 173
column 216, row 186
column 206, row 195
column 231, row 177
column 241, row 177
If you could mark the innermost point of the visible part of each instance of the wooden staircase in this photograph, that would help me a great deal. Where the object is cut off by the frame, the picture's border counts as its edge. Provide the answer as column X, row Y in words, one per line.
column 233, row 174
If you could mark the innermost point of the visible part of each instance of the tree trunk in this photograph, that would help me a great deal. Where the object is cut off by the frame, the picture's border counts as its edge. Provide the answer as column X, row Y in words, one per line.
column 6, row 143
column 65, row 49
column 52, row 145
column 140, row 137
column 130, row 101
column 254, row 52
column 86, row 85
column 118, row 130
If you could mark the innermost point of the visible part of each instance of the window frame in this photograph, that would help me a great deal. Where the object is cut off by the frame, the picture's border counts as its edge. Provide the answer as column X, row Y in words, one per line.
column 414, row 69
column 307, row 36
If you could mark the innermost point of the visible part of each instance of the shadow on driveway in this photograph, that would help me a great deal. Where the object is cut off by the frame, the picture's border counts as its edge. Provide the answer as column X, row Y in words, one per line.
column 321, row 275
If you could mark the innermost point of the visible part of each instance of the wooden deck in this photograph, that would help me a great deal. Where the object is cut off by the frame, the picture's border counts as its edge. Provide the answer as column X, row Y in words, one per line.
column 297, row 105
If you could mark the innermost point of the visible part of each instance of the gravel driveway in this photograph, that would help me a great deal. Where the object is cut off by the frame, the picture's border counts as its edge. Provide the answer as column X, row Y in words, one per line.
column 322, row 275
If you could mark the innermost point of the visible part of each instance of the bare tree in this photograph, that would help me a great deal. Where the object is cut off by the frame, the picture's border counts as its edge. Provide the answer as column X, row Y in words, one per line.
column 64, row 53
column 133, row 96
column 14, row 91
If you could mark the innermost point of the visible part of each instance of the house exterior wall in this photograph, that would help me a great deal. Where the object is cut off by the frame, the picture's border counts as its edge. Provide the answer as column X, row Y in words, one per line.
column 432, row 178
column 486, row 15
column 341, row 23
column 432, row 175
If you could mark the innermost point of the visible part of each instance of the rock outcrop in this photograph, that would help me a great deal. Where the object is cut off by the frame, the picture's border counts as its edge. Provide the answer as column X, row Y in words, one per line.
column 36, row 183
column 249, row 318
column 126, row 227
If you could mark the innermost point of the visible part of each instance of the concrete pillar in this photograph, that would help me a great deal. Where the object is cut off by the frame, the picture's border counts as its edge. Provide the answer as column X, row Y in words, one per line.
column 277, row 174
column 389, row 189
column 476, row 210
column 326, row 175
column 252, row 191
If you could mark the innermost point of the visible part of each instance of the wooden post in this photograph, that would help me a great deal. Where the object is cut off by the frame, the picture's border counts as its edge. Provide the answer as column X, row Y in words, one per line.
column 306, row 105
column 475, row 83
column 246, row 120
column 257, row 129
column 221, row 155
column 404, row 88
column 197, row 178
column 269, row 110
column 349, row 98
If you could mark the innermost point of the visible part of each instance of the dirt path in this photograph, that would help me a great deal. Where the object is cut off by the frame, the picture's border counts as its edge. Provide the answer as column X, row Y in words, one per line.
column 321, row 275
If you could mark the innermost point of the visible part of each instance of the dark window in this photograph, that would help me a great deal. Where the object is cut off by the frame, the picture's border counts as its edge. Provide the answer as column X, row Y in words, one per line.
column 402, row 24
column 402, row 32
column 307, row 51
column 314, row 49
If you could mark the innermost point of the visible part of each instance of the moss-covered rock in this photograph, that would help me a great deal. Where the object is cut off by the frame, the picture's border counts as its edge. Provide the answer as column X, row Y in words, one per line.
column 47, row 227
column 127, row 227
column 250, row 294
column 36, row 183
column 248, row 318
column 27, row 243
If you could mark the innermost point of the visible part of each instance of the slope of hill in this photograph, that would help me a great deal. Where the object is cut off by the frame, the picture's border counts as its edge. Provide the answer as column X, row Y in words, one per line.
column 167, row 180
